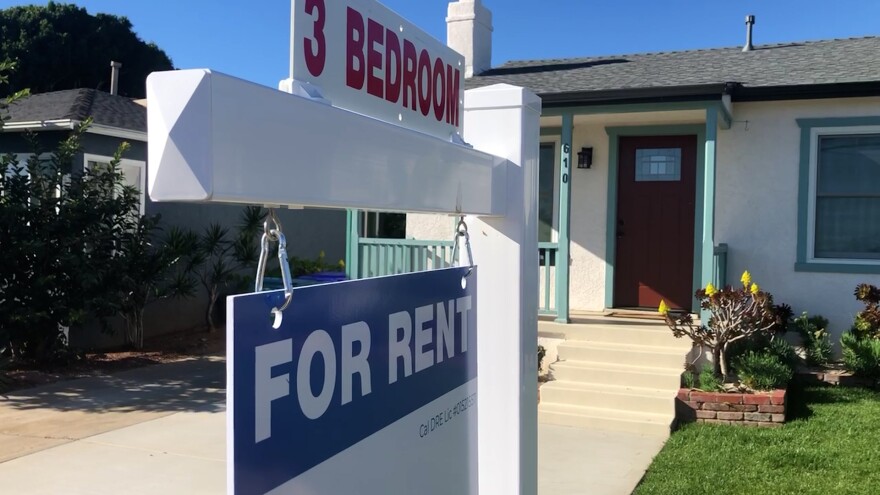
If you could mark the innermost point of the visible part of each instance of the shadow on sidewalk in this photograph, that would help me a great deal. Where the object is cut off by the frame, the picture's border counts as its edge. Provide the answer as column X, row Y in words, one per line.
column 191, row 385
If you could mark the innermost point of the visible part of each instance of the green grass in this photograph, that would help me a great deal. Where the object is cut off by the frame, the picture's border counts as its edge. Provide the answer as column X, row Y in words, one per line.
column 830, row 446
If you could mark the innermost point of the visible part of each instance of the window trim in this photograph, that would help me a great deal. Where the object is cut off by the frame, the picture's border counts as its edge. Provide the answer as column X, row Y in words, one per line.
column 811, row 131
column 142, row 165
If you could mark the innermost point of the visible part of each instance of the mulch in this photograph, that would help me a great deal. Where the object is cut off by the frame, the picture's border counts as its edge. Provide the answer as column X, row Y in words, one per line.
column 157, row 350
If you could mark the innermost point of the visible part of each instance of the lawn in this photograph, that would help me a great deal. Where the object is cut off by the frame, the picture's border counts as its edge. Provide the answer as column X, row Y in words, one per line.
column 831, row 445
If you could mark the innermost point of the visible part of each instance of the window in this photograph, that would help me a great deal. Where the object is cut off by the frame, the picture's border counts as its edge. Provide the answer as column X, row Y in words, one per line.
column 134, row 172
column 546, row 187
column 839, row 227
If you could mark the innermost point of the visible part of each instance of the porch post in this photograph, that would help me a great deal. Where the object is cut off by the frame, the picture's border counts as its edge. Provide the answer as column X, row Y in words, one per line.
column 563, row 257
column 708, row 245
column 352, row 244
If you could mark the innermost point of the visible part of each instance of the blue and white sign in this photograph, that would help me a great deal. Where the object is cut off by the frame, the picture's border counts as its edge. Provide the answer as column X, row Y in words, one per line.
column 367, row 387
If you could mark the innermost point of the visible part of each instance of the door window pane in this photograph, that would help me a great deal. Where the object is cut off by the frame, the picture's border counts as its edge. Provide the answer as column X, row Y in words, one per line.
column 658, row 164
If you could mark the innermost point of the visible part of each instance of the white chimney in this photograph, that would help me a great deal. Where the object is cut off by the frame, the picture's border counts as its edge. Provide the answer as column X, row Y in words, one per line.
column 469, row 32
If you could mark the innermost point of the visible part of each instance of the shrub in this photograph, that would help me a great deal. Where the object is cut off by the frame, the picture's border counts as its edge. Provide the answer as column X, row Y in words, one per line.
column 735, row 314
column 867, row 321
column 814, row 334
column 861, row 355
column 688, row 379
column 762, row 370
column 709, row 381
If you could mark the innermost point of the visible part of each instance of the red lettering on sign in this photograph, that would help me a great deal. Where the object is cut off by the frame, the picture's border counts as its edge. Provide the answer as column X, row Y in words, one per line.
column 354, row 50
column 452, row 90
column 375, row 36
column 316, row 52
column 439, row 98
column 424, row 72
column 409, row 75
column 394, row 69
column 392, row 66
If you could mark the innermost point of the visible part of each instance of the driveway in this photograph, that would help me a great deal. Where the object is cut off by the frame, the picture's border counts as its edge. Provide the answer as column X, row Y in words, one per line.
column 161, row 429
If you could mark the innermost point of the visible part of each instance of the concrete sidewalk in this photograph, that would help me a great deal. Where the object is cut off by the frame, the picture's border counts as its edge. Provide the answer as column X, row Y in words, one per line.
column 161, row 429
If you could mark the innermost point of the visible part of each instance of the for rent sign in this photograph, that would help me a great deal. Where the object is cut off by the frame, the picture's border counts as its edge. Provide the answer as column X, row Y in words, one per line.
column 369, row 60
column 367, row 387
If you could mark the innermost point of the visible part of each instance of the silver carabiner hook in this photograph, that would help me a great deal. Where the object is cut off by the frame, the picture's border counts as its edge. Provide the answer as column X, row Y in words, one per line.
column 461, row 230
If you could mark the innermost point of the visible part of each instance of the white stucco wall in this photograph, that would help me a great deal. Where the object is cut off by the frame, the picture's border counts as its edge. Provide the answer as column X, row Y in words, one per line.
column 757, row 205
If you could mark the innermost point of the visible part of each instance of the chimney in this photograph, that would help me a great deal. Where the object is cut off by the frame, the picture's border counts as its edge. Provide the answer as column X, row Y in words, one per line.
column 750, row 23
column 114, row 77
column 469, row 32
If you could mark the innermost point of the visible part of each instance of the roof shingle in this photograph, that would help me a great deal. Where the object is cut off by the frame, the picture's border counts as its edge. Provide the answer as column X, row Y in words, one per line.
column 79, row 104
column 789, row 64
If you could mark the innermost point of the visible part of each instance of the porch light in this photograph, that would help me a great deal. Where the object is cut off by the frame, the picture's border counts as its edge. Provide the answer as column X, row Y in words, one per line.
column 585, row 158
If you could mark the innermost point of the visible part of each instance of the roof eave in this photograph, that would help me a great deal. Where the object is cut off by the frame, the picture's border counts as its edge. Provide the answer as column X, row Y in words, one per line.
column 69, row 124
column 636, row 95
column 807, row 91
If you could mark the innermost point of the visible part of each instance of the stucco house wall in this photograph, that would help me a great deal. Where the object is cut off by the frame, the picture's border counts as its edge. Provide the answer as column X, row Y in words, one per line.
column 757, row 205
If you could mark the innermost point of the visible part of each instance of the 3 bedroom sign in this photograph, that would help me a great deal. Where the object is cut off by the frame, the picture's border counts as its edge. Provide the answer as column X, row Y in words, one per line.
column 367, row 59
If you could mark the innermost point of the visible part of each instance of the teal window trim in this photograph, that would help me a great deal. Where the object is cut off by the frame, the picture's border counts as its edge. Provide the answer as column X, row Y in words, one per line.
column 614, row 135
column 805, row 262
column 551, row 131
column 631, row 108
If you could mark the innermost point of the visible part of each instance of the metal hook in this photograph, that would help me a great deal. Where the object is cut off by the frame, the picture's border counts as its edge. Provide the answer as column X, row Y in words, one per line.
column 461, row 230
column 272, row 232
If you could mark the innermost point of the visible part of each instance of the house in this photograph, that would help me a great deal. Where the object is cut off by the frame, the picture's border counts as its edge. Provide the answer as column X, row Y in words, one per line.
column 687, row 168
column 116, row 119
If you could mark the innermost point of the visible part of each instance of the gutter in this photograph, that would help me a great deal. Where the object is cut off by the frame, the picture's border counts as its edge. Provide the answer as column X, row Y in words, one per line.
column 70, row 124
column 736, row 91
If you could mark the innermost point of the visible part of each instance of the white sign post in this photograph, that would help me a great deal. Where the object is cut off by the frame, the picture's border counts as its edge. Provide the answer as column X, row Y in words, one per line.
column 214, row 138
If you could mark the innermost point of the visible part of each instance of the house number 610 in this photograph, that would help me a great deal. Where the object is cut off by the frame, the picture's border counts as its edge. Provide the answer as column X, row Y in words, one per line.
column 566, row 151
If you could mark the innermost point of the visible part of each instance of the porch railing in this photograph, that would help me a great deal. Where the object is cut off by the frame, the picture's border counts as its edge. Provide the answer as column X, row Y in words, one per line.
column 719, row 266
column 547, row 252
column 379, row 257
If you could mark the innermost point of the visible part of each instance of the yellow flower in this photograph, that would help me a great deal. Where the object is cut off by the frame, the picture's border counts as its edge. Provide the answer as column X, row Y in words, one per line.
column 341, row 263
column 321, row 254
column 710, row 289
column 664, row 308
column 746, row 278
column 754, row 289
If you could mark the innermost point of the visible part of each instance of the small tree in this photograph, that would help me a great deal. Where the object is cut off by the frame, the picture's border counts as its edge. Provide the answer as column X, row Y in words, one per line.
column 735, row 314
column 224, row 260
column 151, row 269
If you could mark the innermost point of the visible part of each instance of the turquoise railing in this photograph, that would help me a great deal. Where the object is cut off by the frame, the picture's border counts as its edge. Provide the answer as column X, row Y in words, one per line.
column 719, row 266
column 547, row 300
column 379, row 257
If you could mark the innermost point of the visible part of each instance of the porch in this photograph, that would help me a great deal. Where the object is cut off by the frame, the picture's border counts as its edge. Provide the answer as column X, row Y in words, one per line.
column 578, row 209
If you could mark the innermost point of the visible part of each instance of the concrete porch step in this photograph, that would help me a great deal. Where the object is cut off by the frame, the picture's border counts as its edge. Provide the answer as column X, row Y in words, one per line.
column 635, row 399
column 636, row 355
column 625, row 332
column 617, row 374
column 605, row 419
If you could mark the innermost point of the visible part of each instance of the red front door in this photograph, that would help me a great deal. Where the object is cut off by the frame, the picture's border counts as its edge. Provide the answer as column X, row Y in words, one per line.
column 655, row 221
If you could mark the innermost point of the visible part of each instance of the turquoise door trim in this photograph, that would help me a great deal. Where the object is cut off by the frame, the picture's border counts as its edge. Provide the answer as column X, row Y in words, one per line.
column 564, row 255
column 614, row 135
column 352, row 247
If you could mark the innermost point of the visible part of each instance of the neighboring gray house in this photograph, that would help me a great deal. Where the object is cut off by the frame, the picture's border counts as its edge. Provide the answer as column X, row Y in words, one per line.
column 116, row 119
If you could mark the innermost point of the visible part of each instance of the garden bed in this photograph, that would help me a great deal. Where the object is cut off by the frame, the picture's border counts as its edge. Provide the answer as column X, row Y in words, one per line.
column 747, row 409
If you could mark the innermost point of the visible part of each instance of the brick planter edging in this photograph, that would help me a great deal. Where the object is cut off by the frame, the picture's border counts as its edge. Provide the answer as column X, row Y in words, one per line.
column 758, row 409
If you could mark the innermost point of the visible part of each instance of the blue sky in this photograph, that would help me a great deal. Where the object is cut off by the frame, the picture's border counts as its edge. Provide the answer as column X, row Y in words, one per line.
column 235, row 37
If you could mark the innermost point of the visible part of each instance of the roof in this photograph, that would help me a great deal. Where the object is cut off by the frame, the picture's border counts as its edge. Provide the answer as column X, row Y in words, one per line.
column 788, row 65
column 79, row 104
